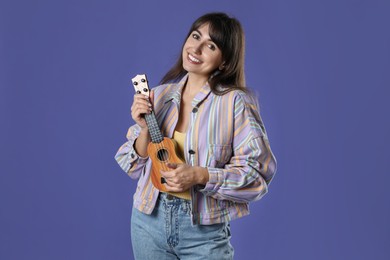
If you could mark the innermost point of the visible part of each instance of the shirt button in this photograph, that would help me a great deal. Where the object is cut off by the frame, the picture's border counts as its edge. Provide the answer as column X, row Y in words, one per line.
column 194, row 110
column 132, row 155
column 191, row 151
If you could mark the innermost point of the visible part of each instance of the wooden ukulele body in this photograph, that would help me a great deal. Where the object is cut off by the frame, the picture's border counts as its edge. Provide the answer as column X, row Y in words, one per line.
column 160, row 154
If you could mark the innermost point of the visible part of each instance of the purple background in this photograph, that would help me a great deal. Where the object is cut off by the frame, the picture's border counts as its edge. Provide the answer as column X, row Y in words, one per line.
column 321, row 69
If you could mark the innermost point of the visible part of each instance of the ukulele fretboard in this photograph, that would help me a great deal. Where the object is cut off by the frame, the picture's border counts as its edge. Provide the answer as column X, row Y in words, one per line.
column 154, row 130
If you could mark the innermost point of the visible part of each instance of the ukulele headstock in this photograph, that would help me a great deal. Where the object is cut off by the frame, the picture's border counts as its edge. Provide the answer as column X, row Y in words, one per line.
column 141, row 84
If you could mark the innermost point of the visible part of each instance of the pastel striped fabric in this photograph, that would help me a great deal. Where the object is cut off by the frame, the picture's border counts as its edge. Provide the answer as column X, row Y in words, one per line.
column 226, row 135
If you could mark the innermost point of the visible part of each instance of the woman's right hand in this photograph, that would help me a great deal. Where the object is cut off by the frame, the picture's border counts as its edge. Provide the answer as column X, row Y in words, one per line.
column 141, row 106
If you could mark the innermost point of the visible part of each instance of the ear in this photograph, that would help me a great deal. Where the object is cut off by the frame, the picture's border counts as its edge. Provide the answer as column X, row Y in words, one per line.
column 222, row 66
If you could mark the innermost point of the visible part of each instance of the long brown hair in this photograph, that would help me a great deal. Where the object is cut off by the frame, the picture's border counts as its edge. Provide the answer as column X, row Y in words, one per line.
column 226, row 32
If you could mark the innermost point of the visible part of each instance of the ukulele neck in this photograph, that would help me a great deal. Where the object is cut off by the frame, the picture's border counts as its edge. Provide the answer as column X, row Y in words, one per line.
column 154, row 130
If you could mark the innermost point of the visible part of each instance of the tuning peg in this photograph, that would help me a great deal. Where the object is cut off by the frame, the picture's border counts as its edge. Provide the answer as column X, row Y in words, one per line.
column 135, row 83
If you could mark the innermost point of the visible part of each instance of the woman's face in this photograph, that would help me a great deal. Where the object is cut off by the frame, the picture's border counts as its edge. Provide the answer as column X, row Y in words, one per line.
column 201, row 56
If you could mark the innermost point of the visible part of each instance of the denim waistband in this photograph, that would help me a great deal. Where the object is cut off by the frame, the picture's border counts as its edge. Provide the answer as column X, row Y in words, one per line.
column 169, row 198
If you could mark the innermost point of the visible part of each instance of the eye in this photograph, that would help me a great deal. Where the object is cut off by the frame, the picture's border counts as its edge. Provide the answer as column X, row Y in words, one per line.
column 212, row 47
column 195, row 36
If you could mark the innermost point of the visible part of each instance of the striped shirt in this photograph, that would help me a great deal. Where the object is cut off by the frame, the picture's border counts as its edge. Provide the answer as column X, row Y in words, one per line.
column 226, row 135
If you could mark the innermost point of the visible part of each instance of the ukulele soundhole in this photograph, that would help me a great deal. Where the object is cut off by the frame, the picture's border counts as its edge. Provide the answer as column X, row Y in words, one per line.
column 163, row 155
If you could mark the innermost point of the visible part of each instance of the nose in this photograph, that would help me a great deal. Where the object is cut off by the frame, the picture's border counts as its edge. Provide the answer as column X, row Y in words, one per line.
column 198, row 48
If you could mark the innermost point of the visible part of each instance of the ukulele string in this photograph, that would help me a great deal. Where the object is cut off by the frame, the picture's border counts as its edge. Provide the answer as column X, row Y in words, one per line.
column 163, row 155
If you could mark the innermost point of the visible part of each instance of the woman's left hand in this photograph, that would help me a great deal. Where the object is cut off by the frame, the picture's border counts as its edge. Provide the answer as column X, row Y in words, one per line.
column 181, row 177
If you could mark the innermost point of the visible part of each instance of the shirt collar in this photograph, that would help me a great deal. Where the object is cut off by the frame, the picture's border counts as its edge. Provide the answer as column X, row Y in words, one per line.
column 175, row 95
column 175, row 92
column 202, row 94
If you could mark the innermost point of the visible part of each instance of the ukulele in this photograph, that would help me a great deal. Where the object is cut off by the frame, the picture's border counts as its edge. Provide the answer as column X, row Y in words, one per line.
column 161, row 150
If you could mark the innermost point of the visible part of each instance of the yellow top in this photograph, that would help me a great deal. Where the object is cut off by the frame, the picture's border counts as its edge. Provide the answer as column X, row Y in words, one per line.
column 180, row 139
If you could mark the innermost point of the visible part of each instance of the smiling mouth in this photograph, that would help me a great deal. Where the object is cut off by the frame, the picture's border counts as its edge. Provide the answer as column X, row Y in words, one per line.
column 192, row 59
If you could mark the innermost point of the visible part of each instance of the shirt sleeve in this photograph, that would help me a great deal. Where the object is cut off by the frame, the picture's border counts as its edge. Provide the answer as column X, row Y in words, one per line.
column 248, row 172
column 128, row 159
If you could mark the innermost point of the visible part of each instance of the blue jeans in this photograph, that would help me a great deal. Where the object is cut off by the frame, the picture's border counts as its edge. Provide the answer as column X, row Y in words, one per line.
column 168, row 234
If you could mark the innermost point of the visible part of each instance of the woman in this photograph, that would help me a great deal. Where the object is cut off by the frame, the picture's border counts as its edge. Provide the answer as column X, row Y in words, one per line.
column 203, row 105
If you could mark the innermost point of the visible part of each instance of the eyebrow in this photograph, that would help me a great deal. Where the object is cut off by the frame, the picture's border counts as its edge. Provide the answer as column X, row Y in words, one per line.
column 209, row 39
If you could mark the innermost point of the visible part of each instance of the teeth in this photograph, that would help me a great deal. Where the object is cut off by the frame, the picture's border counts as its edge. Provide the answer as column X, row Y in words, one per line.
column 193, row 58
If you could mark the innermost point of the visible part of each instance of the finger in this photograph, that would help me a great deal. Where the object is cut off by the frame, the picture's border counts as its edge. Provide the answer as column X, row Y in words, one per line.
column 166, row 174
column 172, row 165
column 140, row 97
column 141, row 106
column 173, row 188
column 171, row 179
column 141, row 101
column 139, row 114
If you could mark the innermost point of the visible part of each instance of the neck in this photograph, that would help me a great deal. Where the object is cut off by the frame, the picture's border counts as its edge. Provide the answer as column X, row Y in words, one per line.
column 195, row 83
